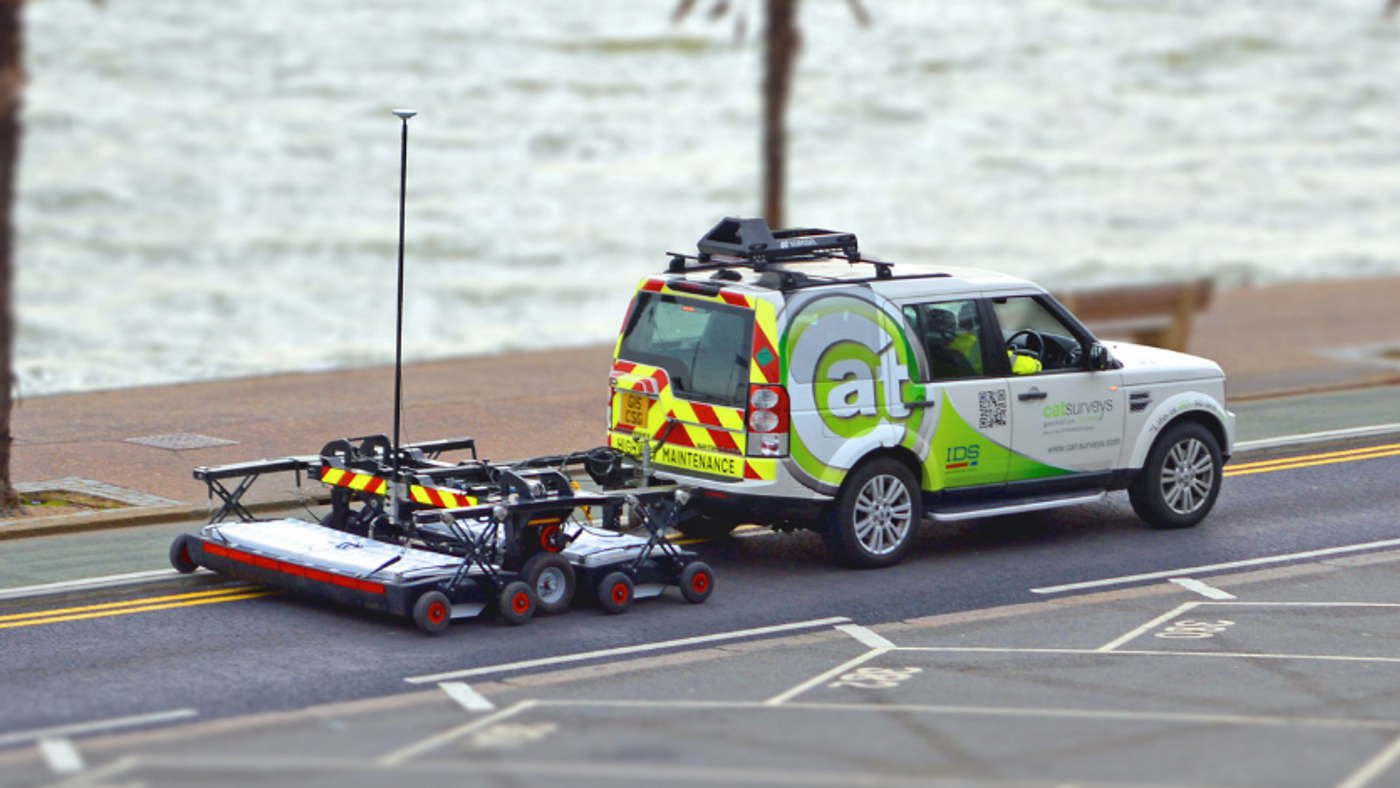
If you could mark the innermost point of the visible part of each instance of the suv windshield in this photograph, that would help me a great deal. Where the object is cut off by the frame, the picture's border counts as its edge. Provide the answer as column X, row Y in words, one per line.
column 703, row 346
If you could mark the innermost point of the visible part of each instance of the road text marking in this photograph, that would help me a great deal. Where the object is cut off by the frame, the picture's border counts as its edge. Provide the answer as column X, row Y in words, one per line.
column 1148, row 627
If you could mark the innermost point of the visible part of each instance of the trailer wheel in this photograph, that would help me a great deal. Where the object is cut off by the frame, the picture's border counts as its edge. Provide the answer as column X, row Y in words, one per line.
column 552, row 539
column 517, row 602
column 180, row 555
column 432, row 612
column 615, row 593
column 697, row 582
column 552, row 579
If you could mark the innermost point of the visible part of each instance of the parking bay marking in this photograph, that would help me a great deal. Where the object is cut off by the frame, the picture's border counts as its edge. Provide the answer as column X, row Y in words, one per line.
column 626, row 650
column 1195, row 570
column 97, row 727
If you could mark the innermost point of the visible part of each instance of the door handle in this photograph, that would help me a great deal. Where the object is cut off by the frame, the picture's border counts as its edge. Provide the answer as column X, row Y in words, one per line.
column 1030, row 395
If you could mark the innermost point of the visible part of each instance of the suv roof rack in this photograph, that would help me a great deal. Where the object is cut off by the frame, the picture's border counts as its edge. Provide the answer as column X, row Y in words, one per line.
column 752, row 242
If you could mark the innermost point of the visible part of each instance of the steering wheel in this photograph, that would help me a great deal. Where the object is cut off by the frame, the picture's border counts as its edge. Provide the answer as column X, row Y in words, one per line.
column 1029, row 334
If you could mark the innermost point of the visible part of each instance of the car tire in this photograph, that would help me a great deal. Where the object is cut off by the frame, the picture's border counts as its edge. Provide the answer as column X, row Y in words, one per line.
column 552, row 579
column 876, row 517
column 432, row 612
column 180, row 555
column 1180, row 480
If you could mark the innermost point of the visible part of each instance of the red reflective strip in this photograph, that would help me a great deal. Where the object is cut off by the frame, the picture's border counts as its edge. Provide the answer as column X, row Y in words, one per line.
column 240, row 557
column 372, row 588
column 706, row 414
column 653, row 285
column 750, row 473
column 724, row 441
column 733, row 299
column 265, row 563
column 344, row 582
column 292, row 569
column 679, row 436
column 716, row 493
column 213, row 549
column 315, row 574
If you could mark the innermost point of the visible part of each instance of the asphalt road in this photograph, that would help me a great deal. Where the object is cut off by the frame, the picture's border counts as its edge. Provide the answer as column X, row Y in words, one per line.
column 224, row 655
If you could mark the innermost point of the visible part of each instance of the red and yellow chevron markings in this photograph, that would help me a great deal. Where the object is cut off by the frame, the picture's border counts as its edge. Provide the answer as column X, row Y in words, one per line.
column 1313, row 460
column 440, row 498
column 363, row 482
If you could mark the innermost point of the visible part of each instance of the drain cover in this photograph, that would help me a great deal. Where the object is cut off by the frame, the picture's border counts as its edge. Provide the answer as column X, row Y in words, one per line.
column 181, row 441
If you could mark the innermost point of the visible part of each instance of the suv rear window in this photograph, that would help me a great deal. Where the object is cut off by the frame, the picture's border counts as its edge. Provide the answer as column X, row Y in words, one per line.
column 703, row 346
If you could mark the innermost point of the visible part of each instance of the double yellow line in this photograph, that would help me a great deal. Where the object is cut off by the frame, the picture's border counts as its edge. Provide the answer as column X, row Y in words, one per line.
column 128, row 607
column 1311, row 460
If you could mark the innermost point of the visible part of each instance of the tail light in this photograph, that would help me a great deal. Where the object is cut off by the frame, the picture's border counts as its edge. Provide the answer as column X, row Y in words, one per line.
column 768, row 421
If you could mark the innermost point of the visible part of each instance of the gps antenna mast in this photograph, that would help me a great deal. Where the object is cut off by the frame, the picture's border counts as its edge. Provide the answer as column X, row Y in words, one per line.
column 404, row 115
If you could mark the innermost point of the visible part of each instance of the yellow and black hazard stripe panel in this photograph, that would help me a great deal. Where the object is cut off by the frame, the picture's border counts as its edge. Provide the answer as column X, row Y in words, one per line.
column 436, row 497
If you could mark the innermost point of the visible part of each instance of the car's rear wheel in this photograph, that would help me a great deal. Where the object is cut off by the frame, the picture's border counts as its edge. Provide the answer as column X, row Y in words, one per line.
column 876, row 517
column 1181, row 478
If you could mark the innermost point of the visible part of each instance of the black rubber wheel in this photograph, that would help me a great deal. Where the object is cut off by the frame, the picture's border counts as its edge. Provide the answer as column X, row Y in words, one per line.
column 1181, row 478
column 876, row 516
column 432, row 612
column 704, row 526
column 615, row 593
column 697, row 582
column 552, row 579
column 180, row 555
column 517, row 602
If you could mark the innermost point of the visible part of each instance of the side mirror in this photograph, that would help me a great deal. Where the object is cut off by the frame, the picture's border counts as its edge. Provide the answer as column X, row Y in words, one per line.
column 1100, row 358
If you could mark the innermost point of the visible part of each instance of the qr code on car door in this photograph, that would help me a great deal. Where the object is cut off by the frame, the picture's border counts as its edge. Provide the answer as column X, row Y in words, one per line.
column 991, row 409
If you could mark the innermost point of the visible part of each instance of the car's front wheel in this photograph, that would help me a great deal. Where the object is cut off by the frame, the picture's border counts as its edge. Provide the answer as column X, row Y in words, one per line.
column 1180, row 481
column 876, row 517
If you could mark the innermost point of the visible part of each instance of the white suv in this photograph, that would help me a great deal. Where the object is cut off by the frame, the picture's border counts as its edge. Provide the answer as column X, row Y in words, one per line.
column 798, row 385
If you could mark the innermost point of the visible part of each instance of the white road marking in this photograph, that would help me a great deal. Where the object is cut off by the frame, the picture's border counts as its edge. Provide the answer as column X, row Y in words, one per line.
column 402, row 754
column 625, row 650
column 96, row 727
column 1195, row 570
column 865, row 636
column 469, row 698
column 1208, row 591
column 110, row 581
column 1303, row 604
column 1149, row 626
column 1149, row 653
column 1244, row 447
column 1001, row 711
column 61, row 755
column 778, row 700
column 1373, row 768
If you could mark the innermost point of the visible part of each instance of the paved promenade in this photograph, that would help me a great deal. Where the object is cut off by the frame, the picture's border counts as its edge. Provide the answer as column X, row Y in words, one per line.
column 1299, row 357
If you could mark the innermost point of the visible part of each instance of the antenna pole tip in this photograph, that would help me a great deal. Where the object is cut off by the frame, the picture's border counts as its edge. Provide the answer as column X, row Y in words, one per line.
column 405, row 113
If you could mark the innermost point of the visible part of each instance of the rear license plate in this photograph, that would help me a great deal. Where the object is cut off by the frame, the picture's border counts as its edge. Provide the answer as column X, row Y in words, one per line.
column 634, row 410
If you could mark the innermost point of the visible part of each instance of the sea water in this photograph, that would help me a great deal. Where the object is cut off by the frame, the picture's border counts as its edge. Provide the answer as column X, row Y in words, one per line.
column 210, row 190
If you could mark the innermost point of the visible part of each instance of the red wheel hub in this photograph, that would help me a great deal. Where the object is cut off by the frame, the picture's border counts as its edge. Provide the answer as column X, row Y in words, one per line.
column 437, row 611
column 551, row 538
column 520, row 603
column 700, row 582
column 619, row 593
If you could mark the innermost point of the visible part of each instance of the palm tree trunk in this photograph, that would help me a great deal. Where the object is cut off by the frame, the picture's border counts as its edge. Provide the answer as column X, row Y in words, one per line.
column 777, row 83
column 11, row 89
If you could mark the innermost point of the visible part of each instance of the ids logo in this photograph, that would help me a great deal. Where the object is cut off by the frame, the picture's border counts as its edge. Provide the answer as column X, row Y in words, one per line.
column 961, row 457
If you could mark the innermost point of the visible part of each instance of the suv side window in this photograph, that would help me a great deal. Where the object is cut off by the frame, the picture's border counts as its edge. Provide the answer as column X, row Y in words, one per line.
column 1029, row 327
column 953, row 338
